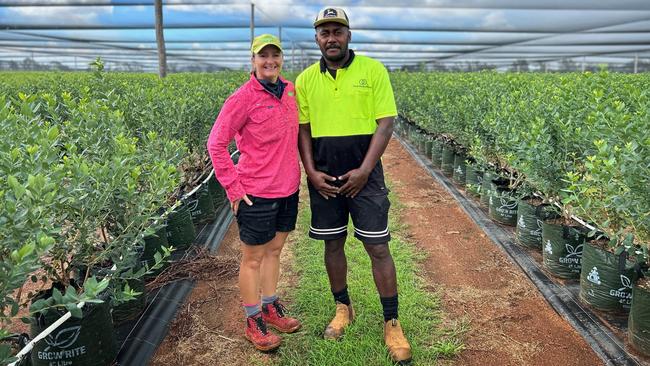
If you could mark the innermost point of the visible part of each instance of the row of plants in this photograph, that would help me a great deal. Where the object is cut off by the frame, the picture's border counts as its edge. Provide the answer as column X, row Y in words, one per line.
column 564, row 158
column 95, row 172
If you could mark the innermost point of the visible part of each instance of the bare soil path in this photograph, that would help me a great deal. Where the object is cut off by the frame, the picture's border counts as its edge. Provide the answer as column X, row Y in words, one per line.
column 510, row 323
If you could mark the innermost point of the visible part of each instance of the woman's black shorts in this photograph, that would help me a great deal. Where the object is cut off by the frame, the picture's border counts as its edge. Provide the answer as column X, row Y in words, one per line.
column 259, row 223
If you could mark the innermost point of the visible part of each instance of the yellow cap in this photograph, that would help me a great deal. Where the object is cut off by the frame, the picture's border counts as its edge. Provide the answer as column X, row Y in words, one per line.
column 264, row 40
column 332, row 15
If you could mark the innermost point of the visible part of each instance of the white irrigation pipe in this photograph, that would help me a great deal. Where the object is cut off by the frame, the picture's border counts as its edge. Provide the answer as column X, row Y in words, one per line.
column 576, row 218
column 206, row 179
column 23, row 352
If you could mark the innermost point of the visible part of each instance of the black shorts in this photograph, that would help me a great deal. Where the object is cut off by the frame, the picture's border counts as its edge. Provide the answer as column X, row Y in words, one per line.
column 259, row 223
column 329, row 217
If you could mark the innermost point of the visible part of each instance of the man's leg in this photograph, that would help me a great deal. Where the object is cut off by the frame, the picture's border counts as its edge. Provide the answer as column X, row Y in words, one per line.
column 329, row 222
column 337, row 270
column 383, row 269
column 336, row 265
column 370, row 217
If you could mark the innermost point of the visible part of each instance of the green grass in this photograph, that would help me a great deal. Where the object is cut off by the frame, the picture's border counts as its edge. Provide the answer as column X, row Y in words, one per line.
column 311, row 301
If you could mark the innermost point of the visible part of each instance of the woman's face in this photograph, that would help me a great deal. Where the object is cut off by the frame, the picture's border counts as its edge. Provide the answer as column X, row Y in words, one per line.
column 267, row 63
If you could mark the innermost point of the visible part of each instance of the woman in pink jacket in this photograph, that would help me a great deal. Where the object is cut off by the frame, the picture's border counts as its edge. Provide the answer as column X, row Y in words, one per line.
column 262, row 117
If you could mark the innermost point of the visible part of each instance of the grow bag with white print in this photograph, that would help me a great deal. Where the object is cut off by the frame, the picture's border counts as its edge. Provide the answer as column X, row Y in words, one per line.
column 460, row 169
column 473, row 180
column 201, row 206
column 639, row 321
column 89, row 341
column 502, row 206
column 529, row 223
column 606, row 279
column 562, row 248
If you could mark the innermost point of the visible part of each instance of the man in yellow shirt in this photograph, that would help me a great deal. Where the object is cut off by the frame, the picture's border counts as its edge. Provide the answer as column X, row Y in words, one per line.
column 347, row 110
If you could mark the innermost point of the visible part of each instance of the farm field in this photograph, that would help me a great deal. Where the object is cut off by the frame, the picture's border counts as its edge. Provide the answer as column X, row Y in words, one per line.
column 101, row 173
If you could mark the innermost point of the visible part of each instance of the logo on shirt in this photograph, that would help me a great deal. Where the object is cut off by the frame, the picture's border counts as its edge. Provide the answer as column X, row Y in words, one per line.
column 291, row 94
column 362, row 83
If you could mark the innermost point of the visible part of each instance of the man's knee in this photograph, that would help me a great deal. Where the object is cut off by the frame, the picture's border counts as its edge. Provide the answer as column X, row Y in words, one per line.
column 335, row 246
column 378, row 252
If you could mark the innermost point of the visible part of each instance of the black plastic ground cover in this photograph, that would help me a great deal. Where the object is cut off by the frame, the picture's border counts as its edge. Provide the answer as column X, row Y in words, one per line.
column 563, row 298
column 139, row 339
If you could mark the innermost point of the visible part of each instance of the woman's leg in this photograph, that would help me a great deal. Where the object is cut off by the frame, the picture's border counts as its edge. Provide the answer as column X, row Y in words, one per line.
column 249, row 272
column 249, row 287
column 270, row 269
column 273, row 311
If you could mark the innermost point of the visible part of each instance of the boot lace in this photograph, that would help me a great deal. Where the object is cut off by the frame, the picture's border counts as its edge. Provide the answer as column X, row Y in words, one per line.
column 260, row 324
column 279, row 308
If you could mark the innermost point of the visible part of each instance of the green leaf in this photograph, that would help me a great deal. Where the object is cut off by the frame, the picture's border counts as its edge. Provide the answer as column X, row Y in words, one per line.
column 74, row 310
column 57, row 296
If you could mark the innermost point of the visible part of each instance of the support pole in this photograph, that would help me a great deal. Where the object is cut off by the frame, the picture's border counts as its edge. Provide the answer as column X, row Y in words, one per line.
column 636, row 63
column 160, row 40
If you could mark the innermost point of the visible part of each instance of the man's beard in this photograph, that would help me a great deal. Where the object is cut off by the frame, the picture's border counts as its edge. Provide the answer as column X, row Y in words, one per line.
column 338, row 58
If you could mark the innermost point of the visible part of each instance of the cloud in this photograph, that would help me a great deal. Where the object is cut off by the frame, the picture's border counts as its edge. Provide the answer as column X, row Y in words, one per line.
column 233, row 7
column 47, row 14
column 496, row 19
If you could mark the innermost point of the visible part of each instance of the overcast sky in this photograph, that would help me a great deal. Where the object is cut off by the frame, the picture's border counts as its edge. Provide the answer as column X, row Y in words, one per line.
column 446, row 30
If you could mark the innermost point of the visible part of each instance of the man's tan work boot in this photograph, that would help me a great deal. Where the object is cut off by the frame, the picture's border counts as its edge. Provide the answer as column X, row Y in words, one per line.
column 398, row 347
column 343, row 318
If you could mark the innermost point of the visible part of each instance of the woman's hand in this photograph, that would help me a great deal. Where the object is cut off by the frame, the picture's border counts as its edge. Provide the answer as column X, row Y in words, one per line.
column 234, row 205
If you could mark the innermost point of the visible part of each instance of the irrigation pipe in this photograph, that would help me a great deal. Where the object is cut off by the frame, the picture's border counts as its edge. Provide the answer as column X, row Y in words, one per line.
column 23, row 352
column 558, row 205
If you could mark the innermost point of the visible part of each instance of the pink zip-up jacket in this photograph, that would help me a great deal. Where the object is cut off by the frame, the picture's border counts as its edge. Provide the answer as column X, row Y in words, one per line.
column 265, row 129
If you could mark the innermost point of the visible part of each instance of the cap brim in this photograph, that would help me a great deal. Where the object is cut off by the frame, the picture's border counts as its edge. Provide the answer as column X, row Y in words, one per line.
column 326, row 20
column 261, row 47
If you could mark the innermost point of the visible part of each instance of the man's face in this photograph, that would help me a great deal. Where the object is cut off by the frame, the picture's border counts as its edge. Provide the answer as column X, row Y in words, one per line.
column 333, row 39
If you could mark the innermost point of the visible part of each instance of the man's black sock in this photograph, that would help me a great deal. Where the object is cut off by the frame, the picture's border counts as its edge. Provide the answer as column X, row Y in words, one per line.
column 390, row 307
column 342, row 296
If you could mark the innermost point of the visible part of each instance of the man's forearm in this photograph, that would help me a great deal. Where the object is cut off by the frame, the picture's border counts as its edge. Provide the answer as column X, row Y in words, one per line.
column 304, row 146
column 378, row 144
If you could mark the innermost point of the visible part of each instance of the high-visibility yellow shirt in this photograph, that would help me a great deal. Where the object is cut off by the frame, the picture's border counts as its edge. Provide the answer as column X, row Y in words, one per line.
column 348, row 105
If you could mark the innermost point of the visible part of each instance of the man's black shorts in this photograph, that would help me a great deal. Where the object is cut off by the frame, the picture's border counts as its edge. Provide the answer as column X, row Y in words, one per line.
column 259, row 223
column 329, row 217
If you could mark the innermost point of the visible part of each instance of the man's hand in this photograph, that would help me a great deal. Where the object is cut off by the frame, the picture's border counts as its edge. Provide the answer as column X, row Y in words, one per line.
column 234, row 205
column 355, row 180
column 319, row 181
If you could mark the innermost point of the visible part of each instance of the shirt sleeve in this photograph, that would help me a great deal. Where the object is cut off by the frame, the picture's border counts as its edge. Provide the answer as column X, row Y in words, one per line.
column 231, row 120
column 303, row 102
column 384, row 100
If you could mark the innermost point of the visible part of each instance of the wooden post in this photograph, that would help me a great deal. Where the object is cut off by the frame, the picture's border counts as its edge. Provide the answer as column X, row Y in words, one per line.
column 160, row 40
